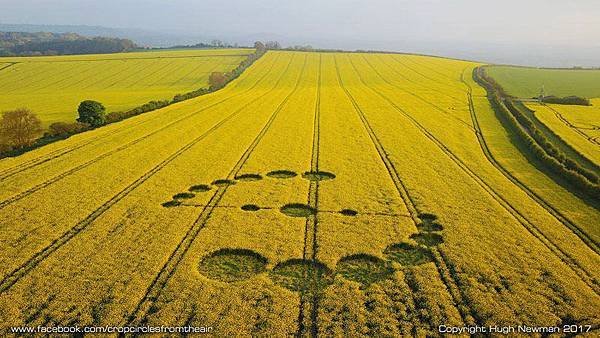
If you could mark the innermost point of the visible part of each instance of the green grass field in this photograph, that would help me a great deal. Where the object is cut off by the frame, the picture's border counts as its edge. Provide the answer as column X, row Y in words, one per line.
column 527, row 82
column 53, row 86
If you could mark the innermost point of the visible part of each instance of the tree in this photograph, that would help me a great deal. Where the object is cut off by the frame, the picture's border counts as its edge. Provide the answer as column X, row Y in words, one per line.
column 216, row 80
column 273, row 45
column 92, row 113
column 19, row 128
column 259, row 46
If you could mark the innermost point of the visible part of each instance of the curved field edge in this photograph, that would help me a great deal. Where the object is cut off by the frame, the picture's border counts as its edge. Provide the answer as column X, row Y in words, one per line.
column 582, row 136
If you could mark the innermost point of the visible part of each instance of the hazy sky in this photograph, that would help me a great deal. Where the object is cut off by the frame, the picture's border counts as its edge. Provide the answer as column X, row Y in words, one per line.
column 397, row 24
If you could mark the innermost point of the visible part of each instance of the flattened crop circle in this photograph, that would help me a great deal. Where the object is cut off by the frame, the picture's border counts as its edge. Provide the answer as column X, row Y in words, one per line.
column 250, row 207
column 232, row 265
column 298, row 210
column 363, row 268
column 200, row 188
column 299, row 275
column 318, row 175
column 223, row 182
column 428, row 226
column 171, row 204
column 427, row 239
column 348, row 212
column 282, row 174
column 248, row 177
column 407, row 254
column 183, row 196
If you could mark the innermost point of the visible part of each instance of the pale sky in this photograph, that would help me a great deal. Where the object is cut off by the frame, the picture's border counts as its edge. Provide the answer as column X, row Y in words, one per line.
column 396, row 24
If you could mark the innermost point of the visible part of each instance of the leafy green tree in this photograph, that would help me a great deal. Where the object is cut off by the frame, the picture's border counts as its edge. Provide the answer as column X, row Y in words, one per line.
column 92, row 113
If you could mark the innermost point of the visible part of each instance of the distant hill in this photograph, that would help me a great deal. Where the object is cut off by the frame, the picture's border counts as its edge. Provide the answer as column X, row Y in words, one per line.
column 46, row 43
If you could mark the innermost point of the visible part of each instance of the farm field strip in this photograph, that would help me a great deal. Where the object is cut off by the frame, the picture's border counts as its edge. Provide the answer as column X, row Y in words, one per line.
column 448, row 279
column 462, row 168
column 590, row 242
column 428, row 102
column 479, row 149
column 566, row 257
column 26, row 192
column 52, row 89
column 583, row 137
column 88, row 138
column 39, row 256
column 175, row 258
column 241, row 232
column 412, row 75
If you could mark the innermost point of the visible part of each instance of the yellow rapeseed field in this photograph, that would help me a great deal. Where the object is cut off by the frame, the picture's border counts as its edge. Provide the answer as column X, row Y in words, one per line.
column 344, row 194
column 53, row 86
column 579, row 126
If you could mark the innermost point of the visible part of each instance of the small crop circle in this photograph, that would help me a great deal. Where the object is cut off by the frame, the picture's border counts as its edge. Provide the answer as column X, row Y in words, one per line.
column 250, row 207
column 200, row 188
column 183, row 196
column 249, row 177
column 223, row 182
column 171, row 204
column 298, row 210
column 318, row 175
column 348, row 212
column 282, row 174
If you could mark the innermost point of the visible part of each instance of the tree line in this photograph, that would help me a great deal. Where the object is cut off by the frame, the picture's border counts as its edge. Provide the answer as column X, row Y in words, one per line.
column 21, row 130
column 43, row 43
column 536, row 142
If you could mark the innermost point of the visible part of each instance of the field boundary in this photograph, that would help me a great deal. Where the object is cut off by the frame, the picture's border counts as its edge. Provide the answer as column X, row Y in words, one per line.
column 566, row 122
column 593, row 245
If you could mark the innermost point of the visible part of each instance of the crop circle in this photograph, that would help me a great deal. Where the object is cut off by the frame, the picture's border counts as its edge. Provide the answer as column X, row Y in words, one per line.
column 298, row 210
column 407, row 254
column 282, row 174
column 232, row 265
column 318, row 175
column 364, row 269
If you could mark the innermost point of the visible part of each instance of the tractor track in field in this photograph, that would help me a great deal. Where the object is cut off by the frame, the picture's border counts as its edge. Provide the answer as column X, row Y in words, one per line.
column 13, row 277
column 29, row 164
column 311, row 224
column 449, row 281
column 569, row 261
column 86, row 142
column 10, row 64
column 411, row 69
column 154, row 290
column 590, row 242
column 125, row 146
column 576, row 129
column 438, row 108
column 140, row 58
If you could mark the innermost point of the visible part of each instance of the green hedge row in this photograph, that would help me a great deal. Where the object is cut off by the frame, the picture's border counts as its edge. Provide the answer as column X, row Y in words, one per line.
column 536, row 142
